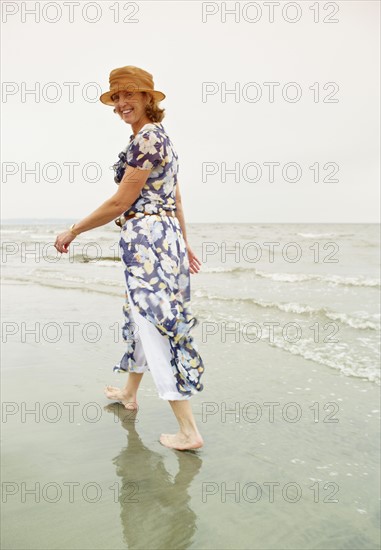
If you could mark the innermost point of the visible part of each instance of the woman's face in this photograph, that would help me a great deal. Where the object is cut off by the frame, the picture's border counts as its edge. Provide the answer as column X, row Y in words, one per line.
column 130, row 106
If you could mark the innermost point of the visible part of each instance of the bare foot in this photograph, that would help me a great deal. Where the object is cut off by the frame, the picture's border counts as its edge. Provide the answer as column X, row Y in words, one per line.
column 181, row 442
column 116, row 394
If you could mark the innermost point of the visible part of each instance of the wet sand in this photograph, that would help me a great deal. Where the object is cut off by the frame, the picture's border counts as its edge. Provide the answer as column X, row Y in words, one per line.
column 101, row 479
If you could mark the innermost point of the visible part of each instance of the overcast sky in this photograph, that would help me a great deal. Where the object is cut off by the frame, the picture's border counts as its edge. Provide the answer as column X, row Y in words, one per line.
column 330, row 133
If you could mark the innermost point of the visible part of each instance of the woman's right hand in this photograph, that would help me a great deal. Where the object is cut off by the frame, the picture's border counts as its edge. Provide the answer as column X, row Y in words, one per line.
column 194, row 262
column 63, row 240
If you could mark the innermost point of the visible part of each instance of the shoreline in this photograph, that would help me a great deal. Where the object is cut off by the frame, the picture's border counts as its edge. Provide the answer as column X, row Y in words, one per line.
column 310, row 452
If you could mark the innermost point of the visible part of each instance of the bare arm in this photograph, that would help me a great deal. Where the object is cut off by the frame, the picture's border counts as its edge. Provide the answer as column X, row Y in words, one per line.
column 180, row 212
column 128, row 191
column 194, row 262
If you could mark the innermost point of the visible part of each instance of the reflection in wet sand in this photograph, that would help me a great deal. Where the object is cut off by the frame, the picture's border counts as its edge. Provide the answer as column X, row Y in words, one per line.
column 155, row 507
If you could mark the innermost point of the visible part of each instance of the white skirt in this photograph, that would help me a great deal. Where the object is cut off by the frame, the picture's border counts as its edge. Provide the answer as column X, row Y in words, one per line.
column 153, row 353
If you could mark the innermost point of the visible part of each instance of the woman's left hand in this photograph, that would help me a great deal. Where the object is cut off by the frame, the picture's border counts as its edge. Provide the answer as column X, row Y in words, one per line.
column 63, row 240
column 194, row 262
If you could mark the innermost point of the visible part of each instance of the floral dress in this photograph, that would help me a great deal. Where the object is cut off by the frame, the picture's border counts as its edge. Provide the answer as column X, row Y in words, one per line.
column 155, row 258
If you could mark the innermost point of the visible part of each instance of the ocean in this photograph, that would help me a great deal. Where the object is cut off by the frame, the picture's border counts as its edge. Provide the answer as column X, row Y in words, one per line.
column 323, row 279
column 289, row 331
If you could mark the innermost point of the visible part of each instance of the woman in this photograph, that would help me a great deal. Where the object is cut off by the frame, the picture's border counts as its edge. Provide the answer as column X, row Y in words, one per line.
column 156, row 256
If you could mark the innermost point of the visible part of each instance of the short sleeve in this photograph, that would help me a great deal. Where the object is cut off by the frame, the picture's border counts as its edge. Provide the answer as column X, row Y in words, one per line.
column 145, row 151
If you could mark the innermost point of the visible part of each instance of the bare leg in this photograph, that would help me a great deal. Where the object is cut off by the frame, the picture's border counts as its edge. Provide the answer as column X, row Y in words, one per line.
column 188, row 437
column 128, row 394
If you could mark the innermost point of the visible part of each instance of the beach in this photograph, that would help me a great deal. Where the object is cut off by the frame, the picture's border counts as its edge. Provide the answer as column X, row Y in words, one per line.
column 288, row 331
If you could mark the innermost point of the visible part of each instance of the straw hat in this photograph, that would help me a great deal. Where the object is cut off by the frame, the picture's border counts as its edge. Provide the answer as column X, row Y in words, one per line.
column 130, row 79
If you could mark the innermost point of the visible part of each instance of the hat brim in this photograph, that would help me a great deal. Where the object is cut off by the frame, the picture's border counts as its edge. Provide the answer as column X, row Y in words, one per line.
column 106, row 97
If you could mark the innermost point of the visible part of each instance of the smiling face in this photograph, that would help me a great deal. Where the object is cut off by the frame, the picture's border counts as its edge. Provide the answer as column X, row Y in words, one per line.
column 130, row 106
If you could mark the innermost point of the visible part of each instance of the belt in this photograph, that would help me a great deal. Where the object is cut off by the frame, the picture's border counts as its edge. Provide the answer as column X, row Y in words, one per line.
column 122, row 219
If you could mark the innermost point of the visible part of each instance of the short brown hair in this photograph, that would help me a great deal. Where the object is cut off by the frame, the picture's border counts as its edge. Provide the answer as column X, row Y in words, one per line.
column 153, row 110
